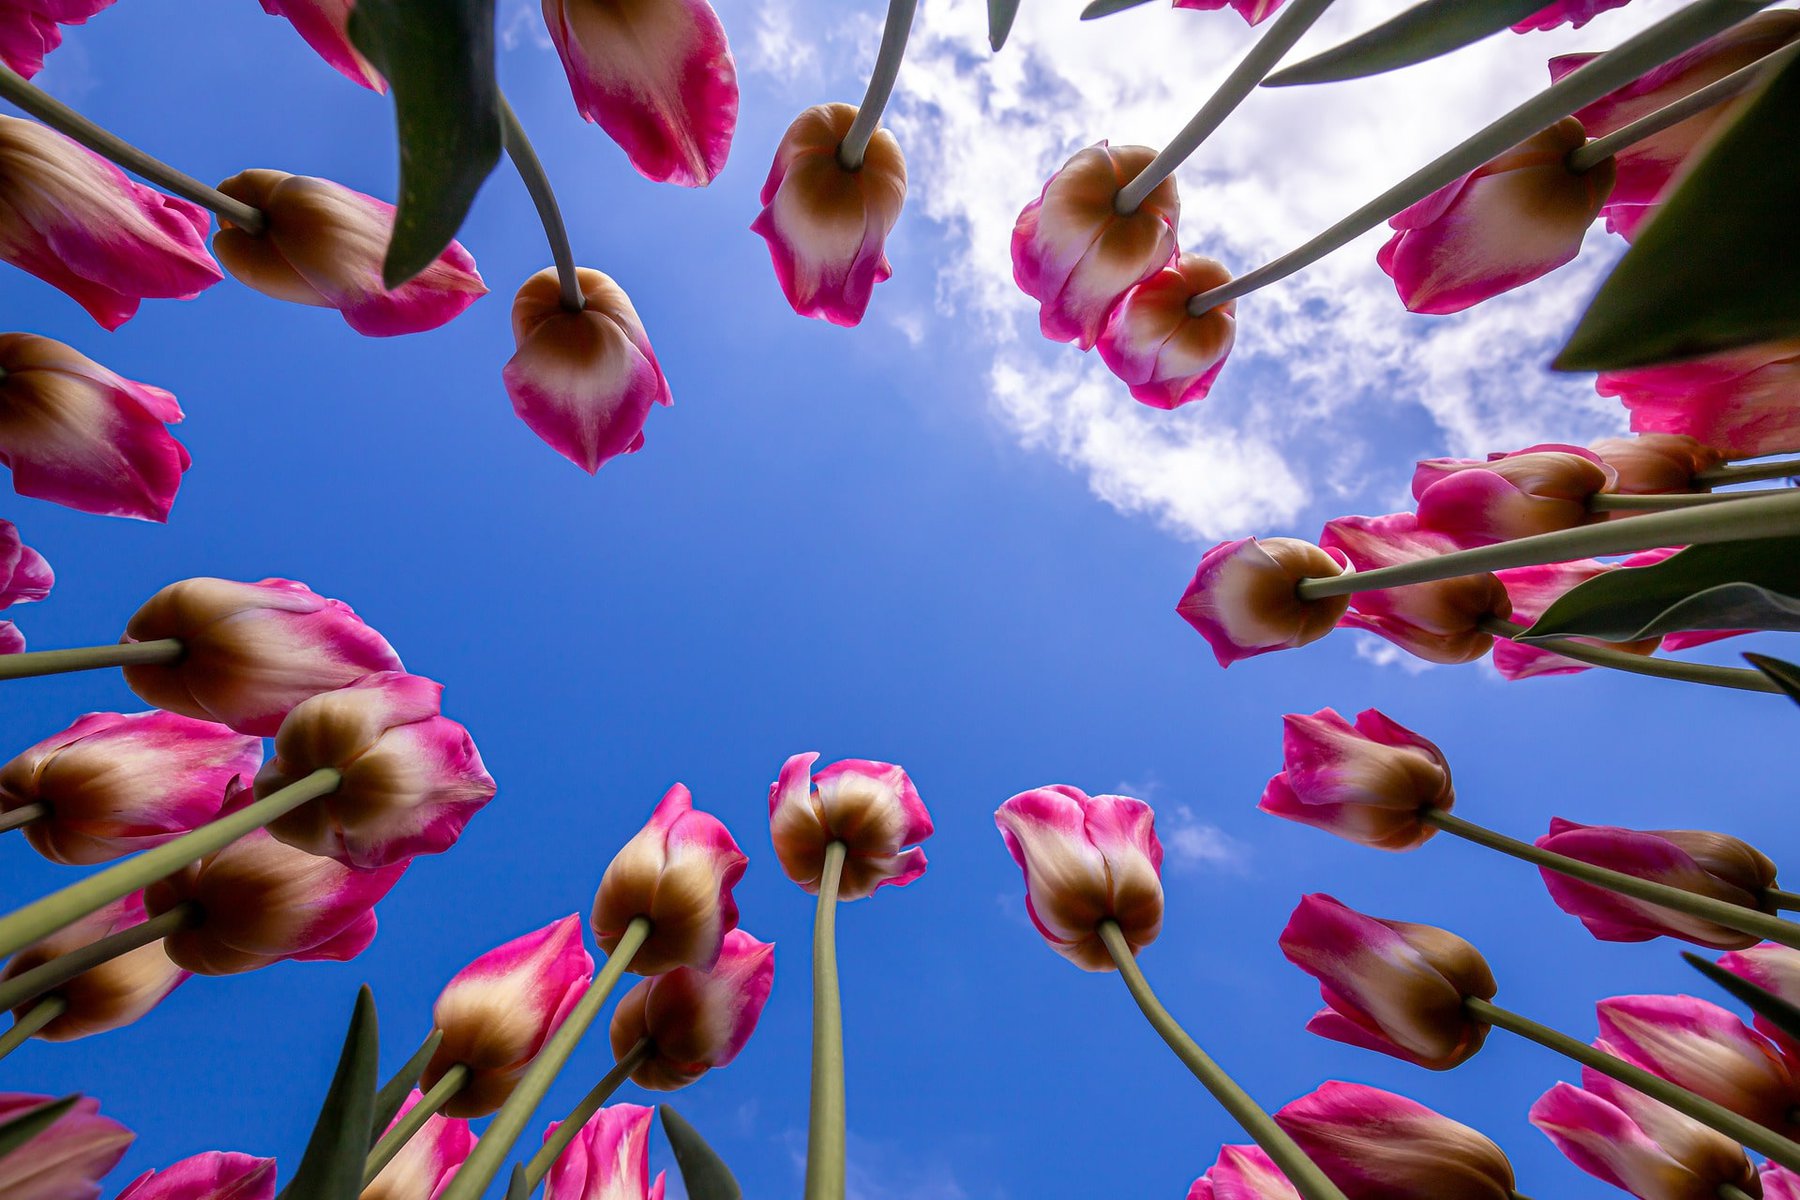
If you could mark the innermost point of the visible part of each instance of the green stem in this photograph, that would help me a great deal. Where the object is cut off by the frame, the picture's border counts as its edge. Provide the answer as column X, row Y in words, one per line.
column 1288, row 28
column 392, row 1094
column 1613, row 502
column 1736, row 678
column 1738, row 520
column 1293, row 1162
column 25, row 814
column 41, row 918
column 1775, row 468
column 88, row 658
column 881, row 84
column 543, row 196
column 61, row 117
column 579, row 1116
column 25, row 1027
column 1746, row 1132
column 429, row 1105
column 825, row 1156
column 1731, row 1191
column 491, row 1152
column 1790, row 901
column 1706, row 908
column 1687, row 27
column 47, row 977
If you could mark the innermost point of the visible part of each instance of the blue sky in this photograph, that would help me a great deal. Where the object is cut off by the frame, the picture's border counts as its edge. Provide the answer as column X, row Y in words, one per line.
column 930, row 540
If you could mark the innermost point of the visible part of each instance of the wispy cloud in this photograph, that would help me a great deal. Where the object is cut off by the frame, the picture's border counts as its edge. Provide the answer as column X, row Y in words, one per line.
column 1193, row 844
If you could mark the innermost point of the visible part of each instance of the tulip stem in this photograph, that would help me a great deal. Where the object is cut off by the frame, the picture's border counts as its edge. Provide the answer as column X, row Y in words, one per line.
column 881, row 84
column 25, row 814
column 1706, row 908
column 88, row 658
column 1783, row 900
column 1731, row 1191
column 45, row 916
column 1601, row 502
column 1685, row 28
column 1288, row 28
column 61, row 117
column 1300, row 1170
column 27, row 1026
column 1757, row 1137
column 1776, row 468
column 825, row 1155
column 429, row 1105
column 1737, row 520
column 531, row 171
column 47, row 977
column 1639, row 664
column 491, row 1152
column 579, row 1116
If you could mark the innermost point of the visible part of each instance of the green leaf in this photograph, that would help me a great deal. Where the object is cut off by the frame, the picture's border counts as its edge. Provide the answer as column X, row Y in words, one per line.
column 1422, row 32
column 519, row 1186
column 332, row 1168
column 438, row 56
column 703, row 1172
column 1000, row 20
column 1726, row 585
column 394, row 1092
column 33, row 1121
column 1714, row 269
column 1785, row 675
column 1778, row 1012
column 1106, row 8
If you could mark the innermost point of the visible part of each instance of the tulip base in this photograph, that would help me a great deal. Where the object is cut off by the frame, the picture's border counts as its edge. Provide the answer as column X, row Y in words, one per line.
column 527, row 1176
column 27, row 1026
column 826, row 1168
column 89, row 658
column 881, row 84
column 47, row 977
column 429, row 1105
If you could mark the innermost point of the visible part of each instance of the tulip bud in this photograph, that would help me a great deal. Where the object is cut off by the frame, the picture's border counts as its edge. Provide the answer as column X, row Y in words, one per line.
column 1242, row 598
column 583, row 381
column 110, row 996
column 1369, row 783
column 78, row 435
column 325, row 26
column 1254, row 12
column 826, row 225
column 497, row 1012
column 1655, row 464
column 251, row 651
column 68, row 1160
column 32, row 29
column 1375, row 1145
column 1641, row 1145
column 1697, row 1045
column 115, row 783
column 871, row 807
column 1086, row 859
column 1532, row 591
column 1740, row 402
column 678, row 871
column 1077, row 256
column 1573, row 13
column 1773, row 968
column 1540, row 489
column 1390, row 986
column 323, row 245
column 1707, row 864
column 24, row 575
column 428, row 1160
column 657, row 76
column 1168, row 356
column 214, row 1175
column 1242, row 1173
column 1440, row 621
column 695, row 1019
column 608, row 1160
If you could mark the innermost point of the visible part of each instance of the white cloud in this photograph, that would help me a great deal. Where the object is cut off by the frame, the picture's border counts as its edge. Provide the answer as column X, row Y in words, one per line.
column 1192, row 843
column 521, row 23
column 1372, row 649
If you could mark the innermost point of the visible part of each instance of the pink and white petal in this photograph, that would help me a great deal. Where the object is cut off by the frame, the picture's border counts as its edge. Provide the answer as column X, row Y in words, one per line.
column 587, row 397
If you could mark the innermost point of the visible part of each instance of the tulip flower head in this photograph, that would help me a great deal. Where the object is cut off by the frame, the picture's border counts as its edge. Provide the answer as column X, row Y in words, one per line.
column 30, row 29
column 323, row 246
column 325, row 26
column 1077, row 255
column 1242, row 1173
column 214, row 1175
column 1573, row 13
column 1242, row 598
column 1369, row 783
column 24, row 575
column 1742, row 402
column 695, row 1019
column 1086, row 859
column 251, row 651
column 608, row 1160
column 1254, row 12
column 1168, row 356
column 1532, row 591
column 871, row 807
column 68, row 1160
column 1700, row 1046
column 1773, row 968
column 1638, row 1144
column 583, row 381
column 1375, row 1145
column 1537, row 490
column 1655, row 464
column 1440, row 621
column 827, row 225
column 109, row 996
column 427, row 1162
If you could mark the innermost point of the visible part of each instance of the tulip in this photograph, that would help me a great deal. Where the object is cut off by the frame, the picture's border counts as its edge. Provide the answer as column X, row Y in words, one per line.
column 1778, row 1183
column 427, row 1161
column 497, row 1012
column 214, row 1175
column 78, row 435
column 324, row 24
column 11, row 640
column 1439, row 621
column 871, row 807
column 1242, row 1173
column 657, row 75
column 110, row 996
column 1369, row 783
column 583, row 381
column 608, row 1160
column 1077, row 255
column 1697, row 1045
column 827, row 226
column 1086, row 859
column 1378, row 1146
column 1168, row 356
column 251, row 651
column 678, row 871
column 1573, row 13
column 1540, row 489
column 1773, row 968
column 30, row 29
column 323, row 246
column 1532, row 591
column 24, row 575
column 1743, row 402
column 1389, row 986
column 115, row 783
column 1655, row 464
column 1707, row 864
column 1635, row 1143
column 1242, row 599
column 695, row 1019
column 1254, row 12
column 68, row 1160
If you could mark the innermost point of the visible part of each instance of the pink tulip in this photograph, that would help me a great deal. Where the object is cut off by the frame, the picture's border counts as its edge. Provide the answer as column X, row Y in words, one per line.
column 1638, row 1144
column 583, row 381
column 657, row 75
column 1778, row 1183
column 1773, row 968
column 1254, row 12
column 1655, row 464
column 871, row 807
column 1242, row 599
column 214, row 1175
column 1369, row 783
column 608, row 1160
column 24, row 575
column 30, row 29
column 1705, row 1049
column 11, row 640
column 428, row 1161
column 251, row 651
column 1532, row 591
column 1743, row 402
column 1242, row 1173
column 1375, row 1145
column 1573, row 13
column 66, row 1161
column 324, row 24
column 78, row 435
column 109, row 996
column 1166, row 355
column 116, row 783
column 1541, row 489
column 497, row 1012
column 1086, row 859
column 696, row 1020
column 1440, row 621
column 323, row 246
column 1077, row 256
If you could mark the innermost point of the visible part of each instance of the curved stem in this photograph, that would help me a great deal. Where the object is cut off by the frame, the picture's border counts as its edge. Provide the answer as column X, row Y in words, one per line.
column 1613, row 502
column 579, row 1116
column 1736, row 678
column 395, row 1139
column 1716, row 1116
column 531, row 171
column 61, row 117
column 881, row 84
column 496, row 1143
column 825, row 1157
column 1288, row 28
column 1787, row 901
column 1706, row 908
column 47, row 977
column 392, row 1094
column 1778, row 468
column 40, row 918
column 1300, row 1170
column 26, row 1027
column 25, row 814
column 1687, row 27
column 89, row 658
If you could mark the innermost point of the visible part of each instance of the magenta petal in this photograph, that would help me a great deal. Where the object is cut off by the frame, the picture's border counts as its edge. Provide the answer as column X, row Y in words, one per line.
column 323, row 24
column 1573, row 13
column 215, row 1175
column 30, row 29
column 66, row 1161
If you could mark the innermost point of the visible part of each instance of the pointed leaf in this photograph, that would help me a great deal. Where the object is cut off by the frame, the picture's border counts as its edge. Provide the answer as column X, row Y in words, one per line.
column 394, row 1092
column 1785, row 675
column 33, row 1121
column 1779, row 1013
column 519, row 1186
column 1000, row 20
column 703, row 1172
column 1106, row 8
column 332, row 1168
column 1424, row 31
column 1727, row 585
